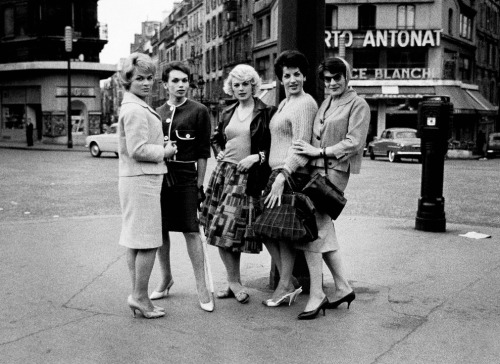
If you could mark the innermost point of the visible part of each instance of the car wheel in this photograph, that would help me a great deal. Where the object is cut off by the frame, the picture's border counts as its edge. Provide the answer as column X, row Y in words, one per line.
column 372, row 155
column 393, row 157
column 94, row 150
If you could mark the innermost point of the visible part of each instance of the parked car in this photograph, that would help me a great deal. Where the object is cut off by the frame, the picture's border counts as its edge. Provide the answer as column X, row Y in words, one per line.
column 107, row 142
column 493, row 145
column 396, row 143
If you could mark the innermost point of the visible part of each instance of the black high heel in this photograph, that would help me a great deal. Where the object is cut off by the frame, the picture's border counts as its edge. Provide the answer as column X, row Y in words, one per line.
column 310, row 315
column 348, row 299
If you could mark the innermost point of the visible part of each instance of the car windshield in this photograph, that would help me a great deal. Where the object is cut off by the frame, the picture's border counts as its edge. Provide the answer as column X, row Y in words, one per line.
column 406, row 134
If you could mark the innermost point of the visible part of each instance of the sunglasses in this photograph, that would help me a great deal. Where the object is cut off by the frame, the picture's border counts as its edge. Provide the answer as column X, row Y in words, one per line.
column 336, row 77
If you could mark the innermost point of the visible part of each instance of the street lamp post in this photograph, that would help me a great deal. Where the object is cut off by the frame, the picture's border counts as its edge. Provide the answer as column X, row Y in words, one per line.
column 68, row 44
column 201, row 86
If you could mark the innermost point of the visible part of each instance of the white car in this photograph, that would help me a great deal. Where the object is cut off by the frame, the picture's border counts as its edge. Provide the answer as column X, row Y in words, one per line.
column 107, row 142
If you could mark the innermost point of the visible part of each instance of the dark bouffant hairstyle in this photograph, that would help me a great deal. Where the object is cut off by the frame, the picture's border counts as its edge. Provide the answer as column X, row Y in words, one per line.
column 333, row 65
column 175, row 65
column 290, row 58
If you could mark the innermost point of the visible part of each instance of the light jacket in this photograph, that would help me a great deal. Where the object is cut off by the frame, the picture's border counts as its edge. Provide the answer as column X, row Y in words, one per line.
column 344, row 127
column 140, row 143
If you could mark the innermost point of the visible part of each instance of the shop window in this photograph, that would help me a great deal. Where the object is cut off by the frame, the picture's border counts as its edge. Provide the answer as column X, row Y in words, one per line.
column 8, row 21
column 406, row 16
column 465, row 27
column 331, row 20
column 367, row 14
column 365, row 58
column 450, row 21
column 13, row 116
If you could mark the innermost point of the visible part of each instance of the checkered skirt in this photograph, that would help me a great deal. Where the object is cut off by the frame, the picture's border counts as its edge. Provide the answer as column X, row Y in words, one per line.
column 228, row 212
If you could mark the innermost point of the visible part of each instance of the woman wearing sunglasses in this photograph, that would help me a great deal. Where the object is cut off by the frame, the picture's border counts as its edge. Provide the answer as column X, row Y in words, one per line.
column 339, row 134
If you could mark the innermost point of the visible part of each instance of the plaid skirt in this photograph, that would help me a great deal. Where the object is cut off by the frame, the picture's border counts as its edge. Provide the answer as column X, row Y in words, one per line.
column 228, row 212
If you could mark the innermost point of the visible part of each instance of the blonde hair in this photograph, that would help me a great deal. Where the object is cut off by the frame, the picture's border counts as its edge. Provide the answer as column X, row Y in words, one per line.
column 243, row 72
column 136, row 61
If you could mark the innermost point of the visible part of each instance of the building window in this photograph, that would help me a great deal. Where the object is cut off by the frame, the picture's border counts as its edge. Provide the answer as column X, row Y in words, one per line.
column 214, row 4
column 207, row 31
column 450, row 21
column 263, row 28
column 331, row 20
column 207, row 61
column 406, row 16
column 407, row 57
column 464, row 68
column 367, row 14
column 214, row 59
column 465, row 27
column 263, row 68
column 214, row 27
column 207, row 6
column 8, row 21
column 219, row 57
column 220, row 24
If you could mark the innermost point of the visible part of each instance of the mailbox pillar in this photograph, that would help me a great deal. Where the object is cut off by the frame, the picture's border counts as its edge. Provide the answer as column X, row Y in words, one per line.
column 434, row 116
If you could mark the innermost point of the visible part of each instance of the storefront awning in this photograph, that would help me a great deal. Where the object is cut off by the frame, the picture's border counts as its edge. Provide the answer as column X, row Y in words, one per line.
column 394, row 92
column 483, row 104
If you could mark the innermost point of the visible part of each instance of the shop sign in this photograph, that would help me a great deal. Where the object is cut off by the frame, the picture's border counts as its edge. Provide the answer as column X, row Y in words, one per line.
column 394, row 73
column 387, row 38
column 75, row 92
column 392, row 96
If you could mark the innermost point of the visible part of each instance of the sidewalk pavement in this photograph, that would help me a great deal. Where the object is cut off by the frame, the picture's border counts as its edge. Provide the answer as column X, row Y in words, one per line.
column 420, row 298
column 38, row 145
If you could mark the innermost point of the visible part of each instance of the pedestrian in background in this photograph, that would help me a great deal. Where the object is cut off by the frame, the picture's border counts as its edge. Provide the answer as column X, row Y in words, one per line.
column 186, row 123
column 141, row 168
column 292, row 121
column 241, row 144
column 339, row 134
column 29, row 132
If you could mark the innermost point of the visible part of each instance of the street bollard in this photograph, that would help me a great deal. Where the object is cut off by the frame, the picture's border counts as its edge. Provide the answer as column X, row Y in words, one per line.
column 434, row 117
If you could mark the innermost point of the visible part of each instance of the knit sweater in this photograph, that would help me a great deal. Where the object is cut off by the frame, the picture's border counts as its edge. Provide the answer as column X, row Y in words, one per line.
column 293, row 120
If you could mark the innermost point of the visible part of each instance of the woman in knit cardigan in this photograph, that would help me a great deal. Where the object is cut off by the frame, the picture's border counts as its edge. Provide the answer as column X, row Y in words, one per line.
column 339, row 134
column 292, row 121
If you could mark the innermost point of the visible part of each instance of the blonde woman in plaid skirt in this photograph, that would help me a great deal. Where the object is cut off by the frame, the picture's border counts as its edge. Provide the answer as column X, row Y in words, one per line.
column 241, row 145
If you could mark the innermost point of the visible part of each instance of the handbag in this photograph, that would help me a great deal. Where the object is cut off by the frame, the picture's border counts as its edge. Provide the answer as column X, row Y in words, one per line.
column 326, row 197
column 293, row 220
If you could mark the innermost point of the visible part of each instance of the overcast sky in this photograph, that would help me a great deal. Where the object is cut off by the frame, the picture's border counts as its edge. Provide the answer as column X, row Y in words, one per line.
column 124, row 18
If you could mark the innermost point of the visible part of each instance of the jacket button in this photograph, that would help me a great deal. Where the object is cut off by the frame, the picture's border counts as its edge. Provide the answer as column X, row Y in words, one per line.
column 318, row 138
column 330, row 163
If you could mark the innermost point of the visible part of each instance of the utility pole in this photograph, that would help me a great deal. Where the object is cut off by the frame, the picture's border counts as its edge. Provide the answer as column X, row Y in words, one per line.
column 68, row 44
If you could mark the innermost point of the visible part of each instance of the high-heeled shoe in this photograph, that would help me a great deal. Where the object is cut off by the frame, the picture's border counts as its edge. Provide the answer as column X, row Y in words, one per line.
column 156, row 295
column 158, row 308
column 134, row 305
column 289, row 297
column 209, row 306
column 310, row 315
column 347, row 298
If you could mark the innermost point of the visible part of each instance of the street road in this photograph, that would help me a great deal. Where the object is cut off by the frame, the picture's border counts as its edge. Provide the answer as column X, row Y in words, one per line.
column 49, row 184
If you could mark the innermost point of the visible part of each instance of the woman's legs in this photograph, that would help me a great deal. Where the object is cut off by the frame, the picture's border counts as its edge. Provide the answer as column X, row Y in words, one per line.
column 231, row 261
column 274, row 250
column 315, row 266
column 195, row 251
column 140, row 263
column 334, row 262
column 287, row 260
column 164, row 263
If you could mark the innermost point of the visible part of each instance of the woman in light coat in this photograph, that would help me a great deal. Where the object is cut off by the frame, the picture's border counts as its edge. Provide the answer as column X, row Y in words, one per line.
column 141, row 168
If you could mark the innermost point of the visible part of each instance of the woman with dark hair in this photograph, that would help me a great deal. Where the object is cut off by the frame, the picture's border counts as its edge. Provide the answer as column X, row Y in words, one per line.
column 140, row 169
column 241, row 145
column 292, row 121
column 339, row 134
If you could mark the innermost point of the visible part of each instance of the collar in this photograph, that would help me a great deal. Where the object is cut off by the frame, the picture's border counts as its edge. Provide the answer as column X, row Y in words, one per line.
column 130, row 98
column 345, row 98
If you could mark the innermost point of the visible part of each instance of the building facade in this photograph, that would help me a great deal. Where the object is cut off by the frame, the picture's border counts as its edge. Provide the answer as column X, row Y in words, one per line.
column 405, row 50
column 34, row 69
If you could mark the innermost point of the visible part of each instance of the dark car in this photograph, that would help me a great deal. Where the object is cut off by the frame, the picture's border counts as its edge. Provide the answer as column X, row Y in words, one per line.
column 396, row 143
column 493, row 145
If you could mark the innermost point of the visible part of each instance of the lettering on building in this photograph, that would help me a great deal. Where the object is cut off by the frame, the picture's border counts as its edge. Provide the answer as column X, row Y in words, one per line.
column 75, row 92
column 394, row 74
column 387, row 38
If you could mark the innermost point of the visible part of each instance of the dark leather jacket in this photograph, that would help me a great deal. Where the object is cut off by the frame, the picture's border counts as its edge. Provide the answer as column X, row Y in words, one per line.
column 260, row 143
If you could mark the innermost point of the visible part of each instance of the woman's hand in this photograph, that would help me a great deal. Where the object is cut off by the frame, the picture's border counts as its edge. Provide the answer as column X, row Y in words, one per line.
column 276, row 192
column 304, row 148
column 221, row 155
column 170, row 149
column 245, row 164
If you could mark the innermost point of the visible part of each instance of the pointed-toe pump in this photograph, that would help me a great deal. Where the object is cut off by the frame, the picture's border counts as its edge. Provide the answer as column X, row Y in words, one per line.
column 134, row 305
column 156, row 295
column 209, row 306
column 348, row 299
column 310, row 315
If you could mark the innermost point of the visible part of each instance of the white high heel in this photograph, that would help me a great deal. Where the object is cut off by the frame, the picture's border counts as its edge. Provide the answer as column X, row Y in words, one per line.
column 156, row 295
column 209, row 306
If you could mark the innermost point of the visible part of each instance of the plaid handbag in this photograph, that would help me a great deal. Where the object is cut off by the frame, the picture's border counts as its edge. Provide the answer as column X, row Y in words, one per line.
column 293, row 220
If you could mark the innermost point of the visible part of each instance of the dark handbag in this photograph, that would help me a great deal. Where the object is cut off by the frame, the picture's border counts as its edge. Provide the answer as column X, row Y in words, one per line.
column 326, row 197
column 293, row 220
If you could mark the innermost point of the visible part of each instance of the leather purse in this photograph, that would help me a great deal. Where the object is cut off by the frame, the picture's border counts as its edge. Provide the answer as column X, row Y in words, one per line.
column 327, row 197
column 292, row 221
